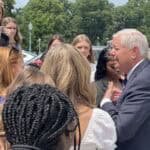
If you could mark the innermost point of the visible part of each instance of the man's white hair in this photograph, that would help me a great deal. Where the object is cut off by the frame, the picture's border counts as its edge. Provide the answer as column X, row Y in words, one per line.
column 131, row 38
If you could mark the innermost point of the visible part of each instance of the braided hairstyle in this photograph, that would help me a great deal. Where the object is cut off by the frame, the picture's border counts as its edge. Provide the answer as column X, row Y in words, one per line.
column 37, row 115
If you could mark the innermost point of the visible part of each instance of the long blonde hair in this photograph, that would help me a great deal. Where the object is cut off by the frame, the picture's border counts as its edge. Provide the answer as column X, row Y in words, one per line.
column 8, row 57
column 71, row 73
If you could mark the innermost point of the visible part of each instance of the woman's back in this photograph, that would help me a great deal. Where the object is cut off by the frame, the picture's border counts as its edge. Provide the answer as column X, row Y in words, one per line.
column 100, row 132
column 70, row 71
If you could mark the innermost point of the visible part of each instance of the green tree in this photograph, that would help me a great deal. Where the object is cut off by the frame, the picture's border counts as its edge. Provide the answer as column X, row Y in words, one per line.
column 135, row 14
column 95, row 18
column 9, row 7
column 47, row 18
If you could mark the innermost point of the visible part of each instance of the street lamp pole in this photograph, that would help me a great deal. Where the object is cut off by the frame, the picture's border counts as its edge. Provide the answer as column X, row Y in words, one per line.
column 39, row 40
column 30, row 39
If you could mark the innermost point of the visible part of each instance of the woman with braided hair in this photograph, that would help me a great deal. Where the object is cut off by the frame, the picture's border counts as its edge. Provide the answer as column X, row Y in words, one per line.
column 39, row 117
column 70, row 71
column 30, row 75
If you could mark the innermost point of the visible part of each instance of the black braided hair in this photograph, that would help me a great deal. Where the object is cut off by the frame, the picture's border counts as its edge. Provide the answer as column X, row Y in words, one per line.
column 101, row 67
column 37, row 115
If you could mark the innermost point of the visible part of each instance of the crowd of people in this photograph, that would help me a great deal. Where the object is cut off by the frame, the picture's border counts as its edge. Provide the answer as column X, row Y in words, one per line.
column 64, row 101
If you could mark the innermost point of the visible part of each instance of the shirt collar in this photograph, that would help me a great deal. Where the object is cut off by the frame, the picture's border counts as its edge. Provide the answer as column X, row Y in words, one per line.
column 130, row 72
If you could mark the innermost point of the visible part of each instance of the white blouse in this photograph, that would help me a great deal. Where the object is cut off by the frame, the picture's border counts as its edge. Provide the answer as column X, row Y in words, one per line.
column 100, row 133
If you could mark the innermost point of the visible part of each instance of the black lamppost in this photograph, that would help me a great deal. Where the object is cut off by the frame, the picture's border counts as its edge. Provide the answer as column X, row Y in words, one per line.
column 39, row 42
column 30, row 38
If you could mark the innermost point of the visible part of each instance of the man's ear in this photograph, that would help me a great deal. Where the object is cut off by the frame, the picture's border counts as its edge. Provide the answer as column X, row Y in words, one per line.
column 134, row 52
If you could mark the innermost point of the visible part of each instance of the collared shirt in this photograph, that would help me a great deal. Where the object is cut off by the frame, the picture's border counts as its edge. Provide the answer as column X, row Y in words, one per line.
column 134, row 67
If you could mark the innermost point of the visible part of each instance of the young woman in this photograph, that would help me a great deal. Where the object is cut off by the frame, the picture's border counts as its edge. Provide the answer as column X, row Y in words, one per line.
column 107, row 69
column 39, row 117
column 70, row 71
column 84, row 45
column 55, row 40
column 11, row 29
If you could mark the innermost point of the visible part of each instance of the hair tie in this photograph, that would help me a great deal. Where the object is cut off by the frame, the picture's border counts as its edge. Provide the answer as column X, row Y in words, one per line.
column 24, row 147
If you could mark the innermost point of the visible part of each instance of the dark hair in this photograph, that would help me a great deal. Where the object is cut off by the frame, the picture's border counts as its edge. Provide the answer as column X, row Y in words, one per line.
column 53, row 38
column 34, row 65
column 37, row 116
column 101, row 67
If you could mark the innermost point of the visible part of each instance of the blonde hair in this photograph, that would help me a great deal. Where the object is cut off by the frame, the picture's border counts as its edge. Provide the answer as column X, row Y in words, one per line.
column 84, row 37
column 71, row 73
column 8, row 57
column 30, row 75
column 18, row 37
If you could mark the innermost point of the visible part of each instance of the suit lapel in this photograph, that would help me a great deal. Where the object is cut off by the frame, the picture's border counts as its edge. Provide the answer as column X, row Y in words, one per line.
column 138, row 69
column 136, row 72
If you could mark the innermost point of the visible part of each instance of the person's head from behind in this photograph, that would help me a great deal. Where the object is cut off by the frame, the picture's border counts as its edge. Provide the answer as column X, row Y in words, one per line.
column 129, row 47
column 84, row 45
column 55, row 40
column 70, row 71
column 107, row 65
column 39, row 116
column 11, row 29
column 30, row 75
column 11, row 63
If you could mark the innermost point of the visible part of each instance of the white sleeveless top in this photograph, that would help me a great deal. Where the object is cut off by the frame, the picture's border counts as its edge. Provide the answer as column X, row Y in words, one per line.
column 100, row 133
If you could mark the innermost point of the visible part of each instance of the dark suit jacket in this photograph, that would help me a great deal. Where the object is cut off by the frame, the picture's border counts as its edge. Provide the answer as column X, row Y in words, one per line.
column 132, row 112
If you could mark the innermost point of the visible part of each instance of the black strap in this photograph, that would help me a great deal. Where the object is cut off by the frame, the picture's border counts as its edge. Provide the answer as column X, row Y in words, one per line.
column 75, row 139
column 24, row 147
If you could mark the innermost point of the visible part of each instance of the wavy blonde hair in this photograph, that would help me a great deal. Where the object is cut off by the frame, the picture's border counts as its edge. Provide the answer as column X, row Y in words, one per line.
column 8, row 57
column 71, row 73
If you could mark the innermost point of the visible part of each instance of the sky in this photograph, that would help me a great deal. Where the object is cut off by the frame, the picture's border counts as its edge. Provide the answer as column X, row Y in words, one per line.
column 22, row 3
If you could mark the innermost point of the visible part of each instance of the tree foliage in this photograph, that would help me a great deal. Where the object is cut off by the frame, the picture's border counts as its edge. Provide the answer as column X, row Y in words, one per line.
column 99, row 19
column 135, row 14
column 9, row 6
column 46, row 16
column 95, row 18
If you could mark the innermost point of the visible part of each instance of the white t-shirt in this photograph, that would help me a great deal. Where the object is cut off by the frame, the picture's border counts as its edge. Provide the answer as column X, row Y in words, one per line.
column 100, row 133
column 93, row 69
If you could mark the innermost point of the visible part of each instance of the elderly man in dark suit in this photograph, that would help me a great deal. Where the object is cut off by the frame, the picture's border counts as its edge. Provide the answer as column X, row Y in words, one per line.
column 131, row 113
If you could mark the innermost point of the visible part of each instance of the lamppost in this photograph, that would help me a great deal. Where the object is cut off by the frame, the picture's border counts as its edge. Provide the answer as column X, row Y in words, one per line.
column 30, row 40
column 39, row 41
column 97, row 40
